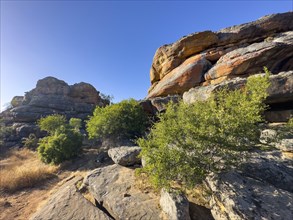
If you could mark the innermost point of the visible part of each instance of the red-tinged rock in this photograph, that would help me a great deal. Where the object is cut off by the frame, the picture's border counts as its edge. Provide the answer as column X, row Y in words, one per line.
column 171, row 56
column 182, row 78
column 251, row 59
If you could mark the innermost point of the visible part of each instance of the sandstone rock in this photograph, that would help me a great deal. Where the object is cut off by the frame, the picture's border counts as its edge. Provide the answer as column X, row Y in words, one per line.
column 251, row 59
column 189, row 74
column 158, row 104
column 241, row 49
column 67, row 204
column 125, row 155
column 256, row 30
column 280, row 90
column 175, row 205
column 113, row 188
column 52, row 96
column 171, row 56
column 268, row 136
column 286, row 145
column 261, row 191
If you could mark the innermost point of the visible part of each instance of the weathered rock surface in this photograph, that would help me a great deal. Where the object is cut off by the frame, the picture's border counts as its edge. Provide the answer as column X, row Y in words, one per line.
column 51, row 96
column 158, row 104
column 189, row 74
column 268, row 136
column 211, row 58
column 286, row 145
column 175, row 205
column 280, row 94
column 263, row 190
column 67, row 204
column 237, row 50
column 251, row 59
column 113, row 189
column 125, row 155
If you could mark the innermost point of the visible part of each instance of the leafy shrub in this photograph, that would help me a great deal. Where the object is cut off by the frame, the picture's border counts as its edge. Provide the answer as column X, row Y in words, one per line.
column 64, row 141
column 31, row 141
column 122, row 120
column 64, row 144
column 75, row 123
column 190, row 141
column 51, row 123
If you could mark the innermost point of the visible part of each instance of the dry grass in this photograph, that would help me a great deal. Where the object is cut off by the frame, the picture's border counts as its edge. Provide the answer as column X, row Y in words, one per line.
column 21, row 169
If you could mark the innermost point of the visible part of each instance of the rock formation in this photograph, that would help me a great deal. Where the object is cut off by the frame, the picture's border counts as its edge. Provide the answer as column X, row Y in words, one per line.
column 210, row 58
column 51, row 96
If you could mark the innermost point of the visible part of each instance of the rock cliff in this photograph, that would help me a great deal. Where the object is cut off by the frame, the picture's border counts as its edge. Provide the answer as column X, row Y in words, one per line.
column 51, row 96
column 210, row 58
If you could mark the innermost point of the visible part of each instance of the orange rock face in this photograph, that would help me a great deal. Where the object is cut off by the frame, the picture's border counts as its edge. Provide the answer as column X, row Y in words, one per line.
column 208, row 57
column 187, row 75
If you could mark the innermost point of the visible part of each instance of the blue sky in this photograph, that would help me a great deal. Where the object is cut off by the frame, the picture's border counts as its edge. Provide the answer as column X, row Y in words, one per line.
column 109, row 44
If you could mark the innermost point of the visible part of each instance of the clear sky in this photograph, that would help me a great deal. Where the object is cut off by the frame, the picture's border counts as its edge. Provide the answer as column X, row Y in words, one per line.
column 109, row 44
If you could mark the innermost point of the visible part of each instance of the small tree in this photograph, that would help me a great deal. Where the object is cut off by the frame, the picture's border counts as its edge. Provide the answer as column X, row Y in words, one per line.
column 122, row 120
column 51, row 123
column 64, row 141
column 190, row 141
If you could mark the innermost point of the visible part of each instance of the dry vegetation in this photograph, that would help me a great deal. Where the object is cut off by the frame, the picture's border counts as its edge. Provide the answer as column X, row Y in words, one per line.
column 21, row 169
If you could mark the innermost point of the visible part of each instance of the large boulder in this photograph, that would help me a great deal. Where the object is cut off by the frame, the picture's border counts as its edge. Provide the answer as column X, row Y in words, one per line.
column 67, row 204
column 262, row 190
column 125, row 155
column 175, row 205
column 280, row 94
column 251, row 59
column 113, row 189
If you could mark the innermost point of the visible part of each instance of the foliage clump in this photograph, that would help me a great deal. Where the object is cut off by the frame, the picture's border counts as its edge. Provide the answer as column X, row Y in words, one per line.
column 64, row 141
column 124, row 120
column 190, row 141
column 31, row 142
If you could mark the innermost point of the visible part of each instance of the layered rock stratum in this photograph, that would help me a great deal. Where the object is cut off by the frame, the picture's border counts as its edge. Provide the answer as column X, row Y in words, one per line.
column 50, row 96
column 203, row 60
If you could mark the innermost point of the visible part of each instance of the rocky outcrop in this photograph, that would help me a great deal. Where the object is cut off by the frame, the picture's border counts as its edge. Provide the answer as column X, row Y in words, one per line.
column 51, row 96
column 67, row 204
column 175, row 205
column 261, row 190
column 210, row 58
column 113, row 189
column 280, row 94
column 125, row 155
column 240, row 49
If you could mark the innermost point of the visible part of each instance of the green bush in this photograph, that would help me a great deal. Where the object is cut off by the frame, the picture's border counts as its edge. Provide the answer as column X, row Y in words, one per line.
column 64, row 144
column 51, row 123
column 64, row 141
column 190, row 141
column 122, row 120
column 75, row 123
